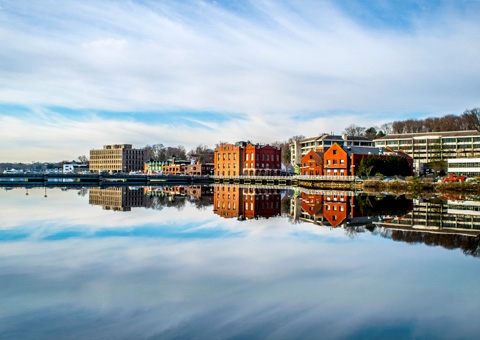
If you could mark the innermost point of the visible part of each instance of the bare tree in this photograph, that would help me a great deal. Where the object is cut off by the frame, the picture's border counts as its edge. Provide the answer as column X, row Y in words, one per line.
column 296, row 138
column 353, row 130
column 83, row 159
column 472, row 119
column 386, row 128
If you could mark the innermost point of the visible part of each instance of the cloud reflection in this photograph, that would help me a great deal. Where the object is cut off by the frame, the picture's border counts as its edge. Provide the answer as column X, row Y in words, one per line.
column 276, row 284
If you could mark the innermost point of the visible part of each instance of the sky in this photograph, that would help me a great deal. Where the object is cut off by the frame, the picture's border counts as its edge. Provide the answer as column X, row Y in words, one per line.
column 77, row 75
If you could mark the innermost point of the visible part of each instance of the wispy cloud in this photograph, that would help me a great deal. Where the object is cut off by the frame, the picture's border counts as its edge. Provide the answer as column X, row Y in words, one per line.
column 265, row 60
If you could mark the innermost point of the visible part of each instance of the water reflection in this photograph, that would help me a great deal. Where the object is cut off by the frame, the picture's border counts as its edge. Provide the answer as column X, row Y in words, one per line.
column 165, row 263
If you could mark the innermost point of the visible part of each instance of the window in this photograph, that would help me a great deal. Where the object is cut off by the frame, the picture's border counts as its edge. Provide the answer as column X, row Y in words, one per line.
column 342, row 161
column 334, row 152
column 246, row 157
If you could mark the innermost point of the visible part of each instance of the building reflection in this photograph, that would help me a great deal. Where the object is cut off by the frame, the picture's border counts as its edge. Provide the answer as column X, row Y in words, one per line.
column 177, row 195
column 338, row 208
column 449, row 214
column 246, row 203
column 117, row 198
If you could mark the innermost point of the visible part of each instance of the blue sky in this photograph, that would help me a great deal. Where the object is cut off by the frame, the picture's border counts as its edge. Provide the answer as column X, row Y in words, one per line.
column 75, row 75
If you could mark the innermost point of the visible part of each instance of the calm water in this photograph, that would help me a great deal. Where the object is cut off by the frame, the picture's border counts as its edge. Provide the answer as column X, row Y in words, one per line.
column 232, row 263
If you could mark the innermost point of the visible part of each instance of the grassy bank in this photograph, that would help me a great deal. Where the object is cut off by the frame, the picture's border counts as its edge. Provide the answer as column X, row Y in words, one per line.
column 421, row 185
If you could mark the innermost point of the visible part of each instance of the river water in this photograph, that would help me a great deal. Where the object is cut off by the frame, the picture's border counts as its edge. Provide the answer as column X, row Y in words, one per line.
column 226, row 262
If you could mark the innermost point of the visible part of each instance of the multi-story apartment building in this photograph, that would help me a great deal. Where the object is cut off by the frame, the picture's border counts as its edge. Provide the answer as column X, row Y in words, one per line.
column 262, row 160
column 245, row 159
column 117, row 158
column 322, row 143
column 434, row 146
column 228, row 160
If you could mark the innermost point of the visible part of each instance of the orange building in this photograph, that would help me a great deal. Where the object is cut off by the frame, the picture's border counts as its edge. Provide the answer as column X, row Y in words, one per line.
column 336, row 161
column 228, row 159
column 312, row 164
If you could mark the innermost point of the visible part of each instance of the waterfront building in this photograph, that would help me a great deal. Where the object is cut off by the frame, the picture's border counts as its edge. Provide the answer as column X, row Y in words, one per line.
column 247, row 159
column 117, row 158
column 262, row 160
column 430, row 147
column 288, row 169
column 464, row 166
column 312, row 164
column 70, row 168
column 199, row 169
column 344, row 161
column 174, row 166
column 228, row 159
column 322, row 143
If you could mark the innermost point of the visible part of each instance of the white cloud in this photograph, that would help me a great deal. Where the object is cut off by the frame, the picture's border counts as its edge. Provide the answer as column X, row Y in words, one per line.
column 272, row 63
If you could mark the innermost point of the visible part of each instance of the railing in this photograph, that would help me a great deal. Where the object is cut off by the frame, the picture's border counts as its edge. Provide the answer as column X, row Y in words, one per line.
column 295, row 177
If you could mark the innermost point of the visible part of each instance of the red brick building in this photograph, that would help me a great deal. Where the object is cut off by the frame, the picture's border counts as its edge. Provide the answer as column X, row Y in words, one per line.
column 344, row 161
column 247, row 159
column 312, row 164
column 262, row 160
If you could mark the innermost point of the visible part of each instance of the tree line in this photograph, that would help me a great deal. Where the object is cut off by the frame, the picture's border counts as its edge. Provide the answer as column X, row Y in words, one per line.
column 468, row 120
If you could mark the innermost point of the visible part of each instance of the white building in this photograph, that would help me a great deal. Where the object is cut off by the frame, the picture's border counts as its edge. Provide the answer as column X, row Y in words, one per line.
column 321, row 143
column 469, row 167
column 427, row 147
column 70, row 168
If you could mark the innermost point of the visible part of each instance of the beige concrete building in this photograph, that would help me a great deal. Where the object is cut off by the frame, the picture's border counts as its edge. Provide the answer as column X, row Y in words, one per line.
column 429, row 147
column 117, row 158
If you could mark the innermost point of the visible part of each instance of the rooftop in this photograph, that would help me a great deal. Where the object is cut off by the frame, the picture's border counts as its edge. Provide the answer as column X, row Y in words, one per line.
column 467, row 133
